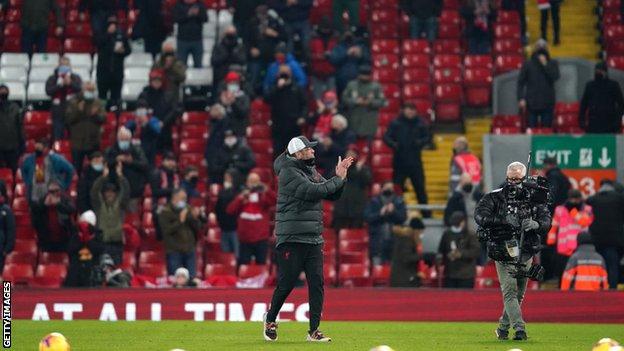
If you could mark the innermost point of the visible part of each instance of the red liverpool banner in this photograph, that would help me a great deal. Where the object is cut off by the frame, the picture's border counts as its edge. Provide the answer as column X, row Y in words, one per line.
column 340, row 304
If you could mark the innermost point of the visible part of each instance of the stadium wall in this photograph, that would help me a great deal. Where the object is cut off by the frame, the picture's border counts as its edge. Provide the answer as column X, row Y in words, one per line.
column 340, row 305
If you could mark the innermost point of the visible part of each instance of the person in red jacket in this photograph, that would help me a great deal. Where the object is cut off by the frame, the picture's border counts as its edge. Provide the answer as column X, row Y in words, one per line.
column 252, row 206
column 321, row 70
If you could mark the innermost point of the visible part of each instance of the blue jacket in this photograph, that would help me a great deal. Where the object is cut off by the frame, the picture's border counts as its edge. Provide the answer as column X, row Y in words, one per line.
column 297, row 73
column 62, row 170
column 347, row 66
column 372, row 213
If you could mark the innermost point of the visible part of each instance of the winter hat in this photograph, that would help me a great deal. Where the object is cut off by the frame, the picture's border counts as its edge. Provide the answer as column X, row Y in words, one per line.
column 232, row 77
column 88, row 217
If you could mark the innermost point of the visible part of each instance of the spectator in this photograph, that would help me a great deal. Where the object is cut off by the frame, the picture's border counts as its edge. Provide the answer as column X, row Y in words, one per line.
column 52, row 218
column 557, row 180
column 382, row 212
column 362, row 99
column 479, row 16
column 569, row 220
column 288, row 109
column 334, row 145
column 90, row 174
column 134, row 165
column 61, row 87
column 352, row 7
column 7, row 225
column 459, row 251
column 282, row 57
column 165, row 180
column 536, row 86
column 607, row 229
column 464, row 200
column 236, row 103
column 229, row 51
column 406, row 255
column 235, row 155
column 252, row 206
column 321, row 120
column 110, row 276
column 109, row 199
column 243, row 10
column 407, row 135
column 321, row 70
column 227, row 221
column 174, row 70
column 35, row 24
column 520, row 8
column 266, row 31
column 347, row 57
column 113, row 47
column 586, row 269
column 84, row 118
column 42, row 167
column 296, row 15
column 190, row 182
column 84, row 249
column 163, row 105
column 602, row 104
column 349, row 208
column 147, row 128
column 180, row 224
column 219, row 124
column 182, row 279
column 423, row 17
column 150, row 25
column 239, row 79
column 100, row 12
column 553, row 6
column 190, row 15
column 11, row 130
column 463, row 161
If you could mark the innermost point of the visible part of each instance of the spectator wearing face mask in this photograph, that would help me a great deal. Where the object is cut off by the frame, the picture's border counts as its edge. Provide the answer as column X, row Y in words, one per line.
column 163, row 105
column 288, row 109
column 558, row 182
column 602, row 104
column 321, row 70
column 190, row 182
column 333, row 145
column 283, row 57
column 347, row 56
column 109, row 199
column 165, row 179
column 229, row 51
column 133, row 162
column 234, row 154
column 363, row 98
column 569, row 220
column 52, row 218
column 89, row 174
column 61, row 86
column 236, row 103
column 84, row 118
column 382, row 212
column 182, row 279
column 219, row 124
column 190, row 15
column 113, row 47
column 11, row 130
column 464, row 200
column 459, row 251
column 349, row 208
column 7, row 225
column 146, row 128
column 407, row 254
column 42, row 167
column 320, row 121
column 173, row 68
column 227, row 221
column 252, row 207
column 84, row 249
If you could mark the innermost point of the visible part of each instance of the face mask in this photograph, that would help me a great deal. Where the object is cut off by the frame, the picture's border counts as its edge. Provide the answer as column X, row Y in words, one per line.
column 64, row 69
column 180, row 205
column 123, row 145
column 141, row 112
column 457, row 229
column 89, row 95
column 310, row 162
column 467, row 188
column 230, row 141
column 233, row 88
column 4, row 97
column 227, row 185
column 387, row 193
column 98, row 167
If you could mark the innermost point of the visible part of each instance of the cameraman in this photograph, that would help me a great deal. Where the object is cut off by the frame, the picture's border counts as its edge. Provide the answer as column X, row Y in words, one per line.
column 502, row 216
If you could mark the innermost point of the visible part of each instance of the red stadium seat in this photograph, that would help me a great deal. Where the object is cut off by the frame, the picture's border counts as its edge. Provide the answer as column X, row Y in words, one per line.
column 385, row 30
column 448, row 93
column 478, row 61
column 616, row 62
column 507, row 121
column 506, row 130
column 128, row 261
column 566, row 120
column 569, row 107
column 151, row 257
column 381, row 275
column 19, row 274
column 227, row 259
column 447, row 75
column 381, row 161
column 353, row 235
column 389, row 61
column 251, row 270
column 506, row 31
column 53, row 258
column 415, row 61
column 416, row 91
column 447, row 46
column 416, row 46
column 20, row 205
column 385, row 46
column 6, row 174
column 354, row 257
column 218, row 269
column 506, row 63
column 199, row 118
column 264, row 160
column 539, row 131
column 507, row 47
column 416, row 75
column 611, row 18
column 477, row 96
column 379, row 146
column 612, row 33
column 448, row 112
column 153, row 269
column 78, row 45
column 385, row 118
column 611, row 5
column 386, row 75
column 382, row 174
column 450, row 17
column 449, row 31
column 54, row 44
column 477, row 77
column 193, row 146
column 259, row 132
column 12, row 30
column 261, row 146
column 570, row 130
column 78, row 30
column 385, row 16
column 52, row 270
column 391, row 91
column 15, row 257
column 354, row 275
column 451, row 61
column 329, row 273
column 352, row 246
column 615, row 47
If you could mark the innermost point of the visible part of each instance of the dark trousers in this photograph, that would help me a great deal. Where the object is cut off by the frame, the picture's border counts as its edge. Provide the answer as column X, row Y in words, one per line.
column 554, row 13
column 109, row 85
column 34, row 41
column 195, row 48
column 8, row 159
column 78, row 157
column 452, row 283
column 560, row 262
column 258, row 250
column 547, row 260
column 292, row 258
column 58, row 121
column 612, row 256
column 417, row 176
column 176, row 260
column 540, row 118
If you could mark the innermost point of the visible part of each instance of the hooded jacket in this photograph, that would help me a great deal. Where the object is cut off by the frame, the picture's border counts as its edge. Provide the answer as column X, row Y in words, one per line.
column 299, row 212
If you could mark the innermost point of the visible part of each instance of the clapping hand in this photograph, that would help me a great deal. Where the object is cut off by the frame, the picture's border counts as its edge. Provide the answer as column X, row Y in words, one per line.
column 343, row 166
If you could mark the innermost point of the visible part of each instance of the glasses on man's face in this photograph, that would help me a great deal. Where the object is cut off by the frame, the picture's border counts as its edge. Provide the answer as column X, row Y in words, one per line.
column 514, row 180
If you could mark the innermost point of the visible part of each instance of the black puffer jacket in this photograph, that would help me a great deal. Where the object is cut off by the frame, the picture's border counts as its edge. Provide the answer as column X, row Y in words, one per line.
column 536, row 82
column 299, row 213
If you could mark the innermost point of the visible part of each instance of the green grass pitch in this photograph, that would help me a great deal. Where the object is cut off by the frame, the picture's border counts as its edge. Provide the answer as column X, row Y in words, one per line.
column 247, row 336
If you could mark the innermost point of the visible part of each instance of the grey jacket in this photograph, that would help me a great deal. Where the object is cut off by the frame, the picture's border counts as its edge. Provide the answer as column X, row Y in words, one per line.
column 299, row 213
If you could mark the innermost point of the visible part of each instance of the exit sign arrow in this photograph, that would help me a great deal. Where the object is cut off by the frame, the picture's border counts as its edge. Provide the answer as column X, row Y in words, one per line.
column 604, row 159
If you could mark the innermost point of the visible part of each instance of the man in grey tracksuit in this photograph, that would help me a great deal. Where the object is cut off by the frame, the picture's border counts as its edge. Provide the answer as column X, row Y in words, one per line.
column 298, row 227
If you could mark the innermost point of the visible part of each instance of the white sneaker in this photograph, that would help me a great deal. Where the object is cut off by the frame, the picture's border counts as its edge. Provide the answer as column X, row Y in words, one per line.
column 269, row 330
column 317, row 336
